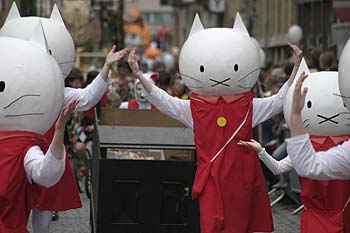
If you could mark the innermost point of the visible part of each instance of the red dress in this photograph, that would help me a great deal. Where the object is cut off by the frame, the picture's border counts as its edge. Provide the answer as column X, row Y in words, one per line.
column 65, row 194
column 231, row 190
column 326, row 202
column 17, row 195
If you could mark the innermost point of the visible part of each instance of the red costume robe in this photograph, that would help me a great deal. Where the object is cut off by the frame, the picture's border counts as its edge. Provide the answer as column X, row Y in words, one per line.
column 326, row 202
column 231, row 190
column 17, row 195
column 65, row 194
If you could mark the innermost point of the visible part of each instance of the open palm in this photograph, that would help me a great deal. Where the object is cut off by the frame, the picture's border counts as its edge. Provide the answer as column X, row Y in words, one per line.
column 113, row 56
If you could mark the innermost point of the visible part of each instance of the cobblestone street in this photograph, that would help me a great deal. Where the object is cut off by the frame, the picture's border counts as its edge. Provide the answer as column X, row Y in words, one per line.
column 77, row 221
column 74, row 221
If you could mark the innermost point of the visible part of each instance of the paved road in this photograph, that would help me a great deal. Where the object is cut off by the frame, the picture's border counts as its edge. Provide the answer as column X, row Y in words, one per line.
column 77, row 221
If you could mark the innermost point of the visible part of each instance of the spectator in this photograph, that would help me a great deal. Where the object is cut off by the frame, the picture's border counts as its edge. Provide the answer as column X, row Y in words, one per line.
column 315, row 59
column 163, row 80
column 144, row 66
column 327, row 61
column 140, row 102
column 74, row 79
column 177, row 87
column 123, row 84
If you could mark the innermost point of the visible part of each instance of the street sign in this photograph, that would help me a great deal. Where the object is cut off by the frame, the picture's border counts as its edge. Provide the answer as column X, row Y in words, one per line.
column 342, row 9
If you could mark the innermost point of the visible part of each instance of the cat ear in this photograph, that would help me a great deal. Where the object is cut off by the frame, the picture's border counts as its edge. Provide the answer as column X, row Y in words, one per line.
column 56, row 16
column 13, row 13
column 196, row 25
column 240, row 25
column 38, row 36
column 302, row 68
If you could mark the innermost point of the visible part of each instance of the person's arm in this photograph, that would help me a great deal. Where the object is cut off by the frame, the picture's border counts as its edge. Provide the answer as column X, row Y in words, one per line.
column 331, row 164
column 265, row 108
column 47, row 169
column 43, row 169
column 276, row 167
column 92, row 94
column 173, row 107
column 296, row 122
column 297, row 57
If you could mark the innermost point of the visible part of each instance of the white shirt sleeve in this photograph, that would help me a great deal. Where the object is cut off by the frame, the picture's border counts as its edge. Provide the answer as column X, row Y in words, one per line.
column 124, row 105
column 45, row 170
column 88, row 96
column 331, row 164
column 171, row 106
column 265, row 108
column 276, row 167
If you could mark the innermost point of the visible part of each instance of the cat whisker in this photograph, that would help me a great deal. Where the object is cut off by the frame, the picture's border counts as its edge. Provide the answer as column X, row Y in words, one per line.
column 243, row 87
column 248, row 74
column 190, row 77
column 194, row 87
column 343, row 96
column 305, row 120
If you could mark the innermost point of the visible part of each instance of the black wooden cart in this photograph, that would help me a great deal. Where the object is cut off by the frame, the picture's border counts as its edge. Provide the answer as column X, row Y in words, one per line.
column 143, row 196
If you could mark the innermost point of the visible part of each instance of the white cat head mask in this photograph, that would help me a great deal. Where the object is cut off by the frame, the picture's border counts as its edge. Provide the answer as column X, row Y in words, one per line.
column 219, row 61
column 59, row 41
column 324, row 113
column 31, row 84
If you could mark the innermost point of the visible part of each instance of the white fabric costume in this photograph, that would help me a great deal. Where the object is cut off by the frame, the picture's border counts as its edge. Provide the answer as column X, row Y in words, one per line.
column 180, row 109
column 331, row 164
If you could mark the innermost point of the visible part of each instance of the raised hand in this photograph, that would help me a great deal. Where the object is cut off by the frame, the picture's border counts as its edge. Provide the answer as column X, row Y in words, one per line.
column 114, row 56
column 298, row 95
column 252, row 144
column 132, row 60
column 64, row 115
column 297, row 54
column 297, row 57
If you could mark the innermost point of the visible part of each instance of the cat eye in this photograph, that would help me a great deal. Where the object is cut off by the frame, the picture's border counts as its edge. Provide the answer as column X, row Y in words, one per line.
column 50, row 51
column 309, row 104
column 344, row 105
column 235, row 67
column 2, row 86
column 201, row 68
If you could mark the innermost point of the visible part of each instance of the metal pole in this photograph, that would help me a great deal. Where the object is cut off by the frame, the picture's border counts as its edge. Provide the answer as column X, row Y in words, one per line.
column 120, row 25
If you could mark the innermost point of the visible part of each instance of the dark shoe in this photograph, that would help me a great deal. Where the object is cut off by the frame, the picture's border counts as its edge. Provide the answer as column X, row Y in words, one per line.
column 54, row 216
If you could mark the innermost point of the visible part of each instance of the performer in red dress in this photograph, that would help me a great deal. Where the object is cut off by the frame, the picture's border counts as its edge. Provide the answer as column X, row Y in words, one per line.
column 27, row 111
column 224, row 208
column 220, row 66
column 326, row 202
